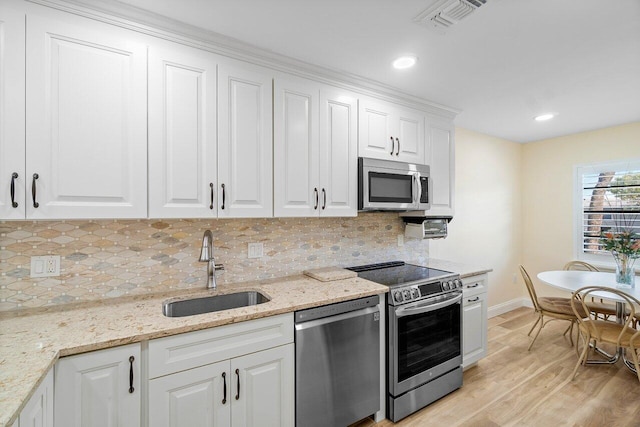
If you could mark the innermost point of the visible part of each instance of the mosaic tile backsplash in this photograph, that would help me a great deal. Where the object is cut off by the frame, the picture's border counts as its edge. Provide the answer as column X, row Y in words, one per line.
column 111, row 258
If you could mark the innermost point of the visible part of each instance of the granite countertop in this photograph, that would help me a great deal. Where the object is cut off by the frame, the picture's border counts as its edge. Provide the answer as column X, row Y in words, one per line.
column 32, row 341
column 465, row 270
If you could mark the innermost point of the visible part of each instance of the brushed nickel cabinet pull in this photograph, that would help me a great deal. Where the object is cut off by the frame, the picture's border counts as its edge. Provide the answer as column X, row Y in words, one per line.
column 398, row 149
column 211, row 187
column 324, row 198
column 392, row 145
column 223, row 196
column 315, row 190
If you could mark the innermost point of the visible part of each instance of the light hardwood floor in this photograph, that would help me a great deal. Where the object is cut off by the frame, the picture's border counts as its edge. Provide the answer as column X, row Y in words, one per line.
column 516, row 387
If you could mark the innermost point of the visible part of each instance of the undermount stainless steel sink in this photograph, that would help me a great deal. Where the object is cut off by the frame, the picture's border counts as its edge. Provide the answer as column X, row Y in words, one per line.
column 190, row 307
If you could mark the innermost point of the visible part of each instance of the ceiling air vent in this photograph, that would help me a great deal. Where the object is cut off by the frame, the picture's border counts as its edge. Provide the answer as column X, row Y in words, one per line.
column 445, row 13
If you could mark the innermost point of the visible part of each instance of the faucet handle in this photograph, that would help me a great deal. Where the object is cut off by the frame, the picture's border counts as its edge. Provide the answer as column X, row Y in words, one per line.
column 219, row 267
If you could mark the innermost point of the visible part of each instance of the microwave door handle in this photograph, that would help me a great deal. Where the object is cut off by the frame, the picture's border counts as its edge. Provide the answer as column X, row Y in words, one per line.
column 419, row 195
column 418, row 309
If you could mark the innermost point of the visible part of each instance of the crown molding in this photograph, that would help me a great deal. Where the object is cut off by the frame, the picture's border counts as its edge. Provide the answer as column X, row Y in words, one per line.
column 145, row 22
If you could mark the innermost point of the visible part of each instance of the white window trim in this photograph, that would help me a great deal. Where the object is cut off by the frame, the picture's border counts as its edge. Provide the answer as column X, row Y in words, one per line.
column 602, row 261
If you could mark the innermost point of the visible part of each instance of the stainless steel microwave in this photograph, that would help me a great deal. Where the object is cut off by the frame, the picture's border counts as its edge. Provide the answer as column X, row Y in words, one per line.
column 384, row 185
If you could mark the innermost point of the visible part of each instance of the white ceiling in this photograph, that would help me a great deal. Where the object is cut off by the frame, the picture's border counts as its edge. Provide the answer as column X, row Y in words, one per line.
column 504, row 64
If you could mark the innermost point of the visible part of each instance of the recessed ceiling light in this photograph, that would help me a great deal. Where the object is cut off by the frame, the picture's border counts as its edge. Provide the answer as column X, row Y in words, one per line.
column 544, row 117
column 406, row 61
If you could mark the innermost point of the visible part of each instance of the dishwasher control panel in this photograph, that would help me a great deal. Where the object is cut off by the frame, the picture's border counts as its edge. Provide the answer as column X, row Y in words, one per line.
column 334, row 309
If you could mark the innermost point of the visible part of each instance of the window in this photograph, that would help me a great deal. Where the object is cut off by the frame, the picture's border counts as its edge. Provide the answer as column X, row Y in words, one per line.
column 607, row 200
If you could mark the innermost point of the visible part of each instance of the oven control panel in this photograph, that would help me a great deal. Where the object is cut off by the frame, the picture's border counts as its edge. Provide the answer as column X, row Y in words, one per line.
column 416, row 292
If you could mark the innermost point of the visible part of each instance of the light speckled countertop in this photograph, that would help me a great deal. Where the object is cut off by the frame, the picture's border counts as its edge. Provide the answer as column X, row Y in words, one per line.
column 32, row 341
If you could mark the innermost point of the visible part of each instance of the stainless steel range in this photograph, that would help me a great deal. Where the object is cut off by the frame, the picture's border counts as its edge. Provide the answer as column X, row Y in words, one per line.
column 424, row 350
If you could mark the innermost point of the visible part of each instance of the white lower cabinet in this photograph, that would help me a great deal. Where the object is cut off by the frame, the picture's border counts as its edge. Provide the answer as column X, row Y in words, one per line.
column 100, row 388
column 233, row 375
column 196, row 397
column 39, row 409
column 474, row 319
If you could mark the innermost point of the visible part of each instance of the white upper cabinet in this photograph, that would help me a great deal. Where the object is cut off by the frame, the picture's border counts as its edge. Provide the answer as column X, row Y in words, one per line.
column 182, row 132
column 315, row 154
column 12, row 148
column 296, row 138
column 338, row 152
column 245, row 153
column 440, row 157
column 86, row 118
column 390, row 132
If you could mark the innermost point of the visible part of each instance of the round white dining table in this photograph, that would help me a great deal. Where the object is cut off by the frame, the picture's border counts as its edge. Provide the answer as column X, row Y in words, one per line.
column 571, row 281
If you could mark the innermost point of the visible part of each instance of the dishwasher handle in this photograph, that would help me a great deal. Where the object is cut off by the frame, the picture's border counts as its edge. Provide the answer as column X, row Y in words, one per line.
column 336, row 318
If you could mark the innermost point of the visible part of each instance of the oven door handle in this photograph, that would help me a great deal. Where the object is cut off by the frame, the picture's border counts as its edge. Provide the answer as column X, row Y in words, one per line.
column 418, row 308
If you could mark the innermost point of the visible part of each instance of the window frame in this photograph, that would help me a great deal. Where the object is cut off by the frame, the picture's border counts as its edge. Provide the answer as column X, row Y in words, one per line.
column 605, row 260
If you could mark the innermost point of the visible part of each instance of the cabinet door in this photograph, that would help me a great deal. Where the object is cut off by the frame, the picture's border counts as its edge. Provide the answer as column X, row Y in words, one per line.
column 474, row 319
column 199, row 397
column 12, row 140
column 244, row 141
column 39, row 409
column 410, row 136
column 94, row 389
column 182, row 132
column 338, row 153
column 375, row 131
column 295, row 177
column 441, row 159
column 86, row 121
column 263, row 388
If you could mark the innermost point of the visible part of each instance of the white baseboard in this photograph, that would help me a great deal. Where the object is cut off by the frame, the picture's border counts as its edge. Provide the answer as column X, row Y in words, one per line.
column 507, row 306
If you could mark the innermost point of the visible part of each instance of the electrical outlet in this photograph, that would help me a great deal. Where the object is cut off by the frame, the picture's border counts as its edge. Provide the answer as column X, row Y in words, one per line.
column 255, row 250
column 45, row 266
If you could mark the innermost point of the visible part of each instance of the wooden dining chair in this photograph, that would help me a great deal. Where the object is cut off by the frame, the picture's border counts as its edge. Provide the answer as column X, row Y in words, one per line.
column 555, row 308
column 591, row 328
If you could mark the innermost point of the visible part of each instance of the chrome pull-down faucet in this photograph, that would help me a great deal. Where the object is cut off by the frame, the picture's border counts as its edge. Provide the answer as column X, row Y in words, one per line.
column 206, row 255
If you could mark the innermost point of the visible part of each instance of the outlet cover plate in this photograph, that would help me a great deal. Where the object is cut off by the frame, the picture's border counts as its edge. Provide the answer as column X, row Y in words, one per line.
column 256, row 250
column 45, row 266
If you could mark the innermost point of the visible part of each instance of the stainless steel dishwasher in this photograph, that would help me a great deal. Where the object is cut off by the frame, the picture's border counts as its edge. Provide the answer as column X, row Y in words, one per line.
column 337, row 363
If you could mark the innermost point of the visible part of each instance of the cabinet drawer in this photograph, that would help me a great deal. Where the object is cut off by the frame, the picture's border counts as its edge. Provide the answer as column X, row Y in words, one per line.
column 193, row 349
column 474, row 285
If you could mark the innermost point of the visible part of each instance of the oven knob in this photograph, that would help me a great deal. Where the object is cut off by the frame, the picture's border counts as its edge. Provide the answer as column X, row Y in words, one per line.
column 458, row 283
column 397, row 296
column 415, row 293
column 406, row 294
column 452, row 284
column 445, row 286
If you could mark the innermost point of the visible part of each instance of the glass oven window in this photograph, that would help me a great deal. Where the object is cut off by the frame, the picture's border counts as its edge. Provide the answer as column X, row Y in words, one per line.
column 390, row 188
column 426, row 340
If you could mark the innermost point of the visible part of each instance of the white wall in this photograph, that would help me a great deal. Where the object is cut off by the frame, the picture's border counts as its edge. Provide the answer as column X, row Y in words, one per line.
column 486, row 228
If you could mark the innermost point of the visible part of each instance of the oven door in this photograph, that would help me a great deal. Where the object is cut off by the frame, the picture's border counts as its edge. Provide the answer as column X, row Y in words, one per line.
column 424, row 341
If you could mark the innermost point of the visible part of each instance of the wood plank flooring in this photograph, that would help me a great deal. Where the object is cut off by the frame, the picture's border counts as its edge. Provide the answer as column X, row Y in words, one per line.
column 516, row 387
